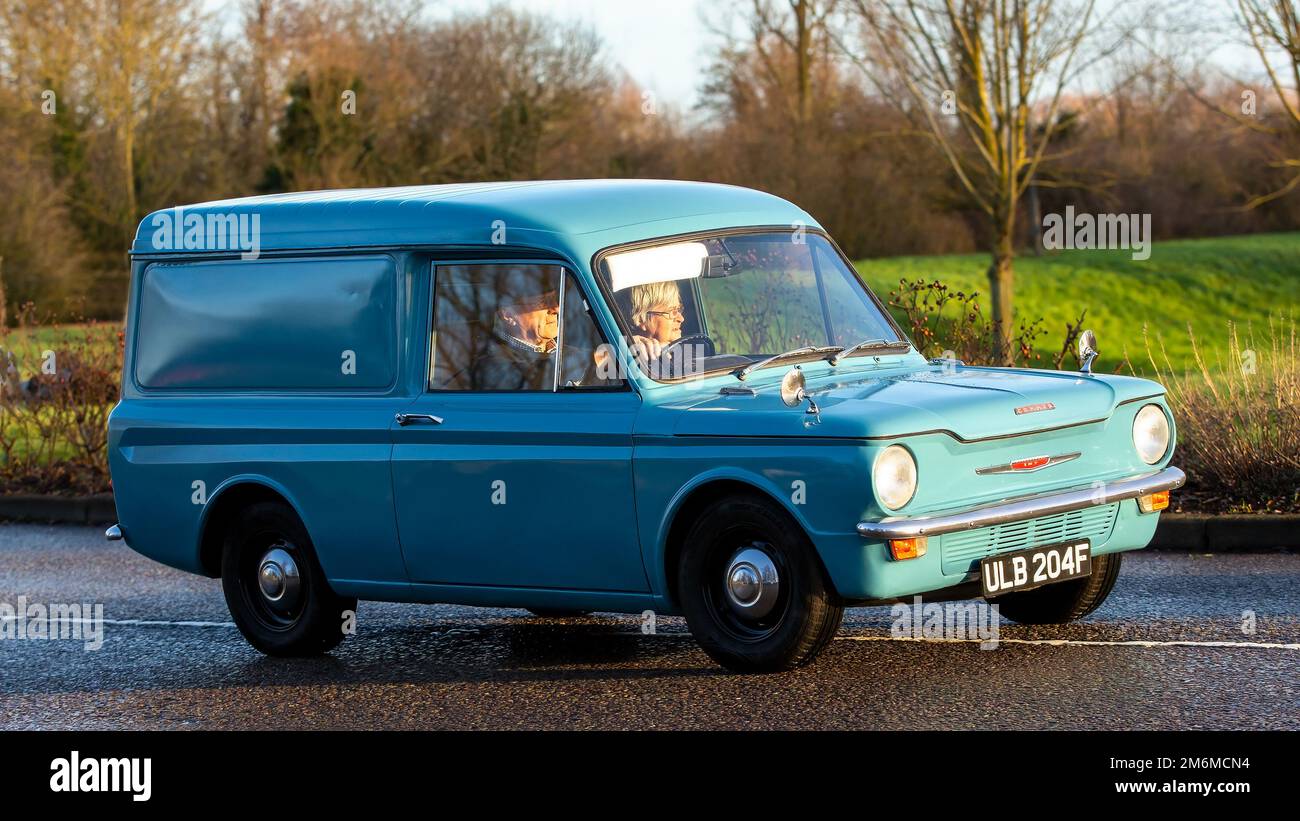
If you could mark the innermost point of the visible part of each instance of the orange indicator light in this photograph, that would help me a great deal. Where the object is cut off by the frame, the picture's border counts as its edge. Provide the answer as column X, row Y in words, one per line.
column 907, row 548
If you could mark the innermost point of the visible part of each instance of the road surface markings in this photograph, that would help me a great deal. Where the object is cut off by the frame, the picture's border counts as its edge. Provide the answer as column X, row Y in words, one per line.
column 1254, row 645
column 131, row 622
column 1248, row 645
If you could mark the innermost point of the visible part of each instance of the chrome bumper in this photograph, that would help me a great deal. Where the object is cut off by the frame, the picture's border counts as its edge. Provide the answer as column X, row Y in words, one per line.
column 114, row 533
column 1028, row 507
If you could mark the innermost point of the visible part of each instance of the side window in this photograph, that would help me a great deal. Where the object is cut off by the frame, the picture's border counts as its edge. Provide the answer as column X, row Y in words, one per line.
column 497, row 327
column 308, row 324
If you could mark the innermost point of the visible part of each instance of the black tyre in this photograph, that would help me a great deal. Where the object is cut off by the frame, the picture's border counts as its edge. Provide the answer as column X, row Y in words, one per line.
column 274, row 587
column 552, row 613
column 753, row 589
column 1065, row 601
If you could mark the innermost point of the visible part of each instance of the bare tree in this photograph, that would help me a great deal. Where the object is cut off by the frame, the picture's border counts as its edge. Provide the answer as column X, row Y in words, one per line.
column 260, row 63
column 117, row 62
column 993, row 65
column 1274, row 30
column 794, row 29
column 137, row 52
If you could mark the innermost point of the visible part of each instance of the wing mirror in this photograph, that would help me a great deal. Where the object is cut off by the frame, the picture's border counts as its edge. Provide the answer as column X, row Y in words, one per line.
column 1087, row 351
column 793, row 391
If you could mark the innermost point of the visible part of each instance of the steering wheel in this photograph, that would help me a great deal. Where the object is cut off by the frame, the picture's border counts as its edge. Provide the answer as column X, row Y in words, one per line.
column 677, row 357
column 670, row 350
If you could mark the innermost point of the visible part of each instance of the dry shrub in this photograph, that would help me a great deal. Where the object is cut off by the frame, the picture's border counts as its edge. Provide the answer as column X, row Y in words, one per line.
column 942, row 321
column 57, row 387
column 1239, row 423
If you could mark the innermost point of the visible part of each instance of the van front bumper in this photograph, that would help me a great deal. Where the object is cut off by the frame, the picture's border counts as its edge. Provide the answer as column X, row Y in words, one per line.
column 1027, row 507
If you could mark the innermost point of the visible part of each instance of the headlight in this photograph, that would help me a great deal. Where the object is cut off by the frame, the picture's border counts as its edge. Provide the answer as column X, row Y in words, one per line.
column 1151, row 434
column 895, row 476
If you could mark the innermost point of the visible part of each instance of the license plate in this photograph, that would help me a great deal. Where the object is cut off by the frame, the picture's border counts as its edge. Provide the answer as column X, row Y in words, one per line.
column 1027, row 569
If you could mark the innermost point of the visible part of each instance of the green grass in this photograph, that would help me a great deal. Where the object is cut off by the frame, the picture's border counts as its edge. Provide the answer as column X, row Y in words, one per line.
column 67, row 335
column 26, row 434
column 27, row 345
column 1205, row 282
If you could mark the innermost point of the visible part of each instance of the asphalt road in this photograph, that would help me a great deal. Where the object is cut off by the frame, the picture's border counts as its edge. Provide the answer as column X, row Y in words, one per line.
column 172, row 659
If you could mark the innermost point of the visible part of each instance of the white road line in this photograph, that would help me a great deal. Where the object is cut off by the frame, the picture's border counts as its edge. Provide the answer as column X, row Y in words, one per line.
column 1252, row 645
column 1245, row 645
column 129, row 622
column 1249, row 645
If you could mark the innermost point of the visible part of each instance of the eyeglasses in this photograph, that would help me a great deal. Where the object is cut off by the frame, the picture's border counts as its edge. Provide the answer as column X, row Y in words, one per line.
column 677, row 312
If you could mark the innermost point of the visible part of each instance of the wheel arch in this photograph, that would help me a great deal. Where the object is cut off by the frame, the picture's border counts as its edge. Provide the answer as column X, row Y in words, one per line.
column 694, row 497
column 231, row 496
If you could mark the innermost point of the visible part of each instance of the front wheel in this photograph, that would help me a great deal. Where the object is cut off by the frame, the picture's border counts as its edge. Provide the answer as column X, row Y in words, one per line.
column 275, row 589
column 1065, row 601
column 752, row 588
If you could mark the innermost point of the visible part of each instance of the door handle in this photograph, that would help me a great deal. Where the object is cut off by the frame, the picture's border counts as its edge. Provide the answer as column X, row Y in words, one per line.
column 405, row 419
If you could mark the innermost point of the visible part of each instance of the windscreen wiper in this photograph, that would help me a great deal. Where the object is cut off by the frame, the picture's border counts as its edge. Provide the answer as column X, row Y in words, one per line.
column 807, row 350
column 868, row 345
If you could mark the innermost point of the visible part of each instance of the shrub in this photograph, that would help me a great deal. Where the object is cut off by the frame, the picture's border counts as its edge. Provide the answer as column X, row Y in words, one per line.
column 946, row 322
column 1239, row 423
column 57, row 387
column 1238, row 420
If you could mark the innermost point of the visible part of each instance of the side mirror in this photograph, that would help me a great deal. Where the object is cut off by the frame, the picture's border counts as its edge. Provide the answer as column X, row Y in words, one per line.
column 718, row 265
column 1087, row 351
column 792, row 387
column 793, row 390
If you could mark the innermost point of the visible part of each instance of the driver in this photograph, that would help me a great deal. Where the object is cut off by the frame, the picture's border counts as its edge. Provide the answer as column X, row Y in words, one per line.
column 657, row 312
column 656, row 318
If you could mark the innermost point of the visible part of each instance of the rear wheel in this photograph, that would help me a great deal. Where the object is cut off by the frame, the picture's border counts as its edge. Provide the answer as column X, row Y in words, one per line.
column 752, row 588
column 274, row 587
column 1065, row 601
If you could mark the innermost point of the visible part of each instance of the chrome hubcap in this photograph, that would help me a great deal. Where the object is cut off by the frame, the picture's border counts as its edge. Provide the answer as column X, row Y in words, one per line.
column 278, row 579
column 752, row 583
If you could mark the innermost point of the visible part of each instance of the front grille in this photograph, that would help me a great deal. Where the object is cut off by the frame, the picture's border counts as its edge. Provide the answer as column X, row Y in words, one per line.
column 962, row 550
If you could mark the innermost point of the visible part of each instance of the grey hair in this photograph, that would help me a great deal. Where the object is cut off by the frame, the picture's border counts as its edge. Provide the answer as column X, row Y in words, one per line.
column 646, row 297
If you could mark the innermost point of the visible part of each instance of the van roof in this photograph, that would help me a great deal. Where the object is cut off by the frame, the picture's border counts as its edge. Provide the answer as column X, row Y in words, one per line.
column 579, row 216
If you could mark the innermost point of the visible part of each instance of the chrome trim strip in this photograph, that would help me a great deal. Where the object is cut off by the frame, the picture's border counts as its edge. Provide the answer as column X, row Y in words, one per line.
column 1029, row 507
column 1010, row 467
column 114, row 533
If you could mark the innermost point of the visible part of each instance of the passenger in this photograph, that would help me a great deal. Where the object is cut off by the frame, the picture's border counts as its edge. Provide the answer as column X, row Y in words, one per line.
column 522, row 356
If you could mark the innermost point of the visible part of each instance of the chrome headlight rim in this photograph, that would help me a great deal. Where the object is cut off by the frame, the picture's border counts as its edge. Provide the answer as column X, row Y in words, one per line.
column 884, row 498
column 1142, row 426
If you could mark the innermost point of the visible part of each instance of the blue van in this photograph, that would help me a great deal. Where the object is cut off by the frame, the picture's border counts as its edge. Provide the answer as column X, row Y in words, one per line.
column 607, row 395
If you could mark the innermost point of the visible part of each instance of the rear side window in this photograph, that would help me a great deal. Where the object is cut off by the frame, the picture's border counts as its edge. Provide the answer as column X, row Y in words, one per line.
column 309, row 324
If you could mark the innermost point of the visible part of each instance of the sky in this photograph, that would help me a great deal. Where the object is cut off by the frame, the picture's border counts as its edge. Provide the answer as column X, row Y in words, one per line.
column 661, row 43
column 665, row 46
